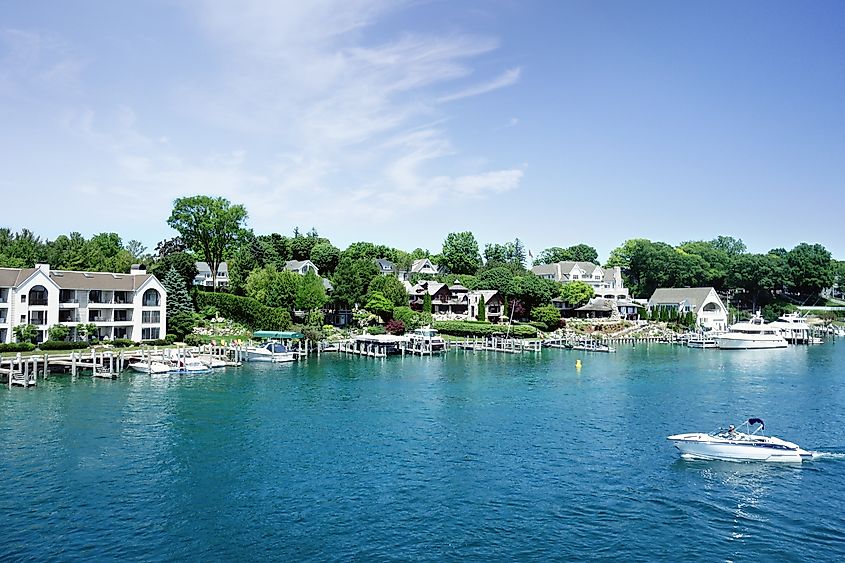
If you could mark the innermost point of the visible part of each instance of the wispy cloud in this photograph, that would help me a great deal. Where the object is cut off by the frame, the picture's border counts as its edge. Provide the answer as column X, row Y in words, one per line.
column 355, row 128
column 507, row 78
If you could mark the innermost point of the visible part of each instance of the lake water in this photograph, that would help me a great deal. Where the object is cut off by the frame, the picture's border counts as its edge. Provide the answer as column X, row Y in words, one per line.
column 471, row 456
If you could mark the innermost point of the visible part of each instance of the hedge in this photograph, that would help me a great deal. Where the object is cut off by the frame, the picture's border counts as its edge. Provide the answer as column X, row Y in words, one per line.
column 246, row 310
column 477, row 328
column 62, row 345
column 17, row 347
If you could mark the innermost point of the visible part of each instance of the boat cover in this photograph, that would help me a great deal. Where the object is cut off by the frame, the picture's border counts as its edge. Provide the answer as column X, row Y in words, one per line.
column 757, row 421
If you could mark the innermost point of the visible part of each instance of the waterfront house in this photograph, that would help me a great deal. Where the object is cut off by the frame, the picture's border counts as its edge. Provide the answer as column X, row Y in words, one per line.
column 710, row 312
column 121, row 305
column 455, row 302
column 301, row 267
column 204, row 277
column 385, row 266
column 492, row 302
column 421, row 266
column 606, row 282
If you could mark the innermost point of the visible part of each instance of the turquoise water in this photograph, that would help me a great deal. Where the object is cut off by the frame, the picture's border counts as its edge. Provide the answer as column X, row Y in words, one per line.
column 472, row 456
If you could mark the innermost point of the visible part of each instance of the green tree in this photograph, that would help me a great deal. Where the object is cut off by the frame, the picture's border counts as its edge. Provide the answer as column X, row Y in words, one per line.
column 482, row 309
column 500, row 278
column 352, row 278
column 325, row 257
column 426, row 303
column 532, row 291
column 105, row 253
column 379, row 305
column 178, row 299
column 460, row 253
column 810, row 268
column 184, row 263
column 58, row 332
column 26, row 333
column 311, row 295
column 576, row 293
column 391, row 288
column 583, row 253
column 549, row 315
column 209, row 226
column 88, row 331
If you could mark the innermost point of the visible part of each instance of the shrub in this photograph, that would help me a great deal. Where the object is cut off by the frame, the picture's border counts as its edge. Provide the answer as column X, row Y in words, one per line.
column 170, row 338
column 17, row 347
column 475, row 328
column 246, row 311
column 62, row 345
column 194, row 340
column 158, row 342
column 395, row 327
column 122, row 343
column 377, row 329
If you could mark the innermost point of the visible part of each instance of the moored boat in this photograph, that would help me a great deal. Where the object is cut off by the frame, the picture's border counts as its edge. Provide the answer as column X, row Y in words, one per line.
column 754, row 334
column 150, row 367
column 428, row 338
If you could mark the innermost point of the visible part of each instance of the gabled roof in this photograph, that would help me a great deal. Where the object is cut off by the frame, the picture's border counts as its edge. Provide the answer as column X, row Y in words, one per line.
column 295, row 265
column 421, row 264
column 385, row 264
column 564, row 268
column 599, row 305
column 431, row 287
column 66, row 279
column 204, row 267
column 695, row 296
column 486, row 294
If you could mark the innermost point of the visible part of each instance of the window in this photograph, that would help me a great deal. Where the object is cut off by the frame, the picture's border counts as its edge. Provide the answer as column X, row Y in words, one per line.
column 151, row 298
column 151, row 317
column 149, row 333
column 23, row 298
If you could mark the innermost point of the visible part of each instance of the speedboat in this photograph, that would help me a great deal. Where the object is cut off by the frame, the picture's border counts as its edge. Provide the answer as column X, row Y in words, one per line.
column 744, row 443
column 270, row 352
column 188, row 364
column 754, row 334
column 592, row 346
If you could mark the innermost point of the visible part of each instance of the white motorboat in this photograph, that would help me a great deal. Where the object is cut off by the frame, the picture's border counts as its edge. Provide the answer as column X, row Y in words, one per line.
column 745, row 443
column 150, row 367
column 188, row 364
column 270, row 352
column 593, row 346
column 428, row 338
column 211, row 361
column 701, row 341
column 754, row 334
column 793, row 328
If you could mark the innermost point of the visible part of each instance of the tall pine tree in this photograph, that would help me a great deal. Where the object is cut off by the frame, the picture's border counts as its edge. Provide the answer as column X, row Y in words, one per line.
column 180, row 308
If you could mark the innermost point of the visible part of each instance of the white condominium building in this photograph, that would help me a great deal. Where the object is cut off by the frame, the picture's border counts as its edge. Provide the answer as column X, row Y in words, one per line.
column 129, row 306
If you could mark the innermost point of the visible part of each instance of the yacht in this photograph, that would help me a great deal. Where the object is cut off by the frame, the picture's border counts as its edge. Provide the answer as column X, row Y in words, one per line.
column 753, row 334
column 270, row 352
column 427, row 337
column 793, row 327
column 745, row 443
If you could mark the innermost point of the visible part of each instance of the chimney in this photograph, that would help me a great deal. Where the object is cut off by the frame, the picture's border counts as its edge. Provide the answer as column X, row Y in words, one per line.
column 44, row 268
column 138, row 269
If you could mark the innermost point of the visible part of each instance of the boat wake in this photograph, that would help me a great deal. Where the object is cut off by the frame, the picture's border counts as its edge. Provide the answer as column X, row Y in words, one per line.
column 818, row 455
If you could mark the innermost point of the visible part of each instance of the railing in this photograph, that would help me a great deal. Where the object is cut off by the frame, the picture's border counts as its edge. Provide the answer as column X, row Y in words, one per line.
column 37, row 302
column 71, row 300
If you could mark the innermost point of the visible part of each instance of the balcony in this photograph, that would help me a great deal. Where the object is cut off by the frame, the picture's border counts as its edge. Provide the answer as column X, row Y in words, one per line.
column 40, row 301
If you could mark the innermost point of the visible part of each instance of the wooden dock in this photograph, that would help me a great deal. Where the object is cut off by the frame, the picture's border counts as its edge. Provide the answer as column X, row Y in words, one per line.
column 498, row 344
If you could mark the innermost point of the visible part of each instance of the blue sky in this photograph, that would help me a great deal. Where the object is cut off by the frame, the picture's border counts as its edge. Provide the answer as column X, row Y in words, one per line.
column 399, row 122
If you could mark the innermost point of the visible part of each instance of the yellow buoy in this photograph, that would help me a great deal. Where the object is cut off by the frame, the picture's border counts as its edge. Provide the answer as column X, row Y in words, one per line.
column 578, row 364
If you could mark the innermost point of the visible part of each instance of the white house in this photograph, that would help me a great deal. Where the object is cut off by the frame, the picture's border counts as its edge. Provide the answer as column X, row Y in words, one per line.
column 710, row 312
column 129, row 306
column 205, row 278
column 385, row 266
column 606, row 282
column 301, row 267
column 421, row 266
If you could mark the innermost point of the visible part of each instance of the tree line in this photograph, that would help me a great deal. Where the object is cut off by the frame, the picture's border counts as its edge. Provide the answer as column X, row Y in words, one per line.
column 215, row 230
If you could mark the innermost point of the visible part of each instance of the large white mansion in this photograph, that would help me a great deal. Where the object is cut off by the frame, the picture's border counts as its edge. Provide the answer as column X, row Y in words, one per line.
column 129, row 305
